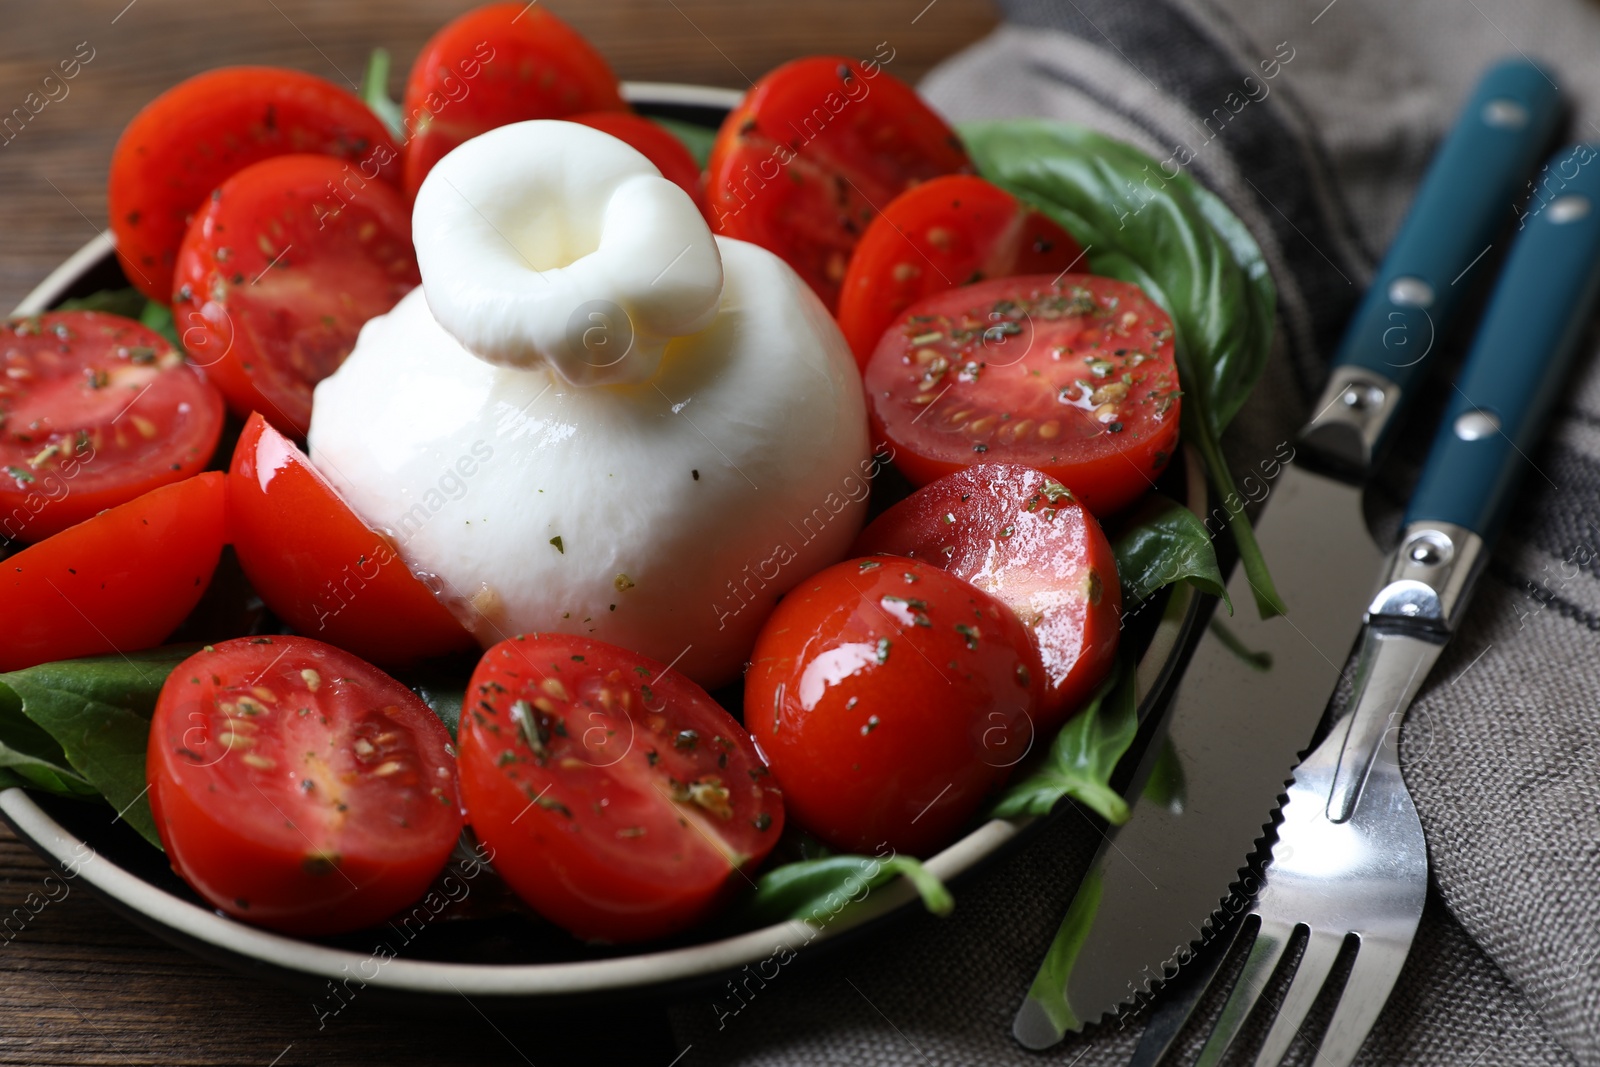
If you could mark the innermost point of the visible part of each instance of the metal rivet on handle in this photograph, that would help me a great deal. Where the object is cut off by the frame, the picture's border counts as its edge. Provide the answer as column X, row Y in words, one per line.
column 1361, row 396
column 1504, row 113
column 1410, row 292
column 1429, row 548
column 1476, row 425
column 1568, row 208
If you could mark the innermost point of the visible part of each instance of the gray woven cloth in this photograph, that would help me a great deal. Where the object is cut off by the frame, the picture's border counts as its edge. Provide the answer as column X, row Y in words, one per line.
column 1502, row 750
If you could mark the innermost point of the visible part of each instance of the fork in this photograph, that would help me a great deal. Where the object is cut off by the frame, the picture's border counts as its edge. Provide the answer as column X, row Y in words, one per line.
column 1350, row 862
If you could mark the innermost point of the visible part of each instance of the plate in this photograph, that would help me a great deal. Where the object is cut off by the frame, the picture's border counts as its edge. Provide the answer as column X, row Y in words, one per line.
column 500, row 955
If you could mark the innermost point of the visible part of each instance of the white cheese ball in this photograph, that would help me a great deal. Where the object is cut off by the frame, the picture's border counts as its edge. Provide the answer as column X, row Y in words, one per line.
column 667, row 517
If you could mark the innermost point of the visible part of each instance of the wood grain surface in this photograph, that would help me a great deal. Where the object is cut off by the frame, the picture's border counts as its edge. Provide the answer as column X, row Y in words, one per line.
column 78, row 984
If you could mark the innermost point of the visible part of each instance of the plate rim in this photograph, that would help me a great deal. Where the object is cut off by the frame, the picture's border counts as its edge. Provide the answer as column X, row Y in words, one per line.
column 185, row 923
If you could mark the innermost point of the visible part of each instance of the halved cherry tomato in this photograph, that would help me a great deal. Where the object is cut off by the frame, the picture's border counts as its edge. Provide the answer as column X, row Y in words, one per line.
column 801, row 166
column 669, row 154
column 890, row 697
column 192, row 137
column 950, row 231
column 298, row 788
column 95, row 409
column 1020, row 535
column 1073, row 375
column 494, row 65
column 318, row 566
column 619, row 800
column 277, row 274
column 118, row 582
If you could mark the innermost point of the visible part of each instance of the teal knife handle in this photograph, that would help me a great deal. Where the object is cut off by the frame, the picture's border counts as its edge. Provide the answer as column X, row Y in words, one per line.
column 1520, row 356
column 1466, row 199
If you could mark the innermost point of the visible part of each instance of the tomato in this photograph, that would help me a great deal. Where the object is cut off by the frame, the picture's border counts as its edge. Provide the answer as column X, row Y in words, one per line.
column 890, row 697
column 95, row 410
column 659, row 146
column 801, row 166
column 298, row 788
column 619, row 800
column 192, row 137
column 318, row 566
column 118, row 582
column 498, row 64
column 1073, row 375
column 1020, row 535
column 954, row 230
column 277, row 274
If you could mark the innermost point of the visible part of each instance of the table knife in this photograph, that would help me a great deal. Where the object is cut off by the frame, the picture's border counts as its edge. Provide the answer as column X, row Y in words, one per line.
column 1238, row 722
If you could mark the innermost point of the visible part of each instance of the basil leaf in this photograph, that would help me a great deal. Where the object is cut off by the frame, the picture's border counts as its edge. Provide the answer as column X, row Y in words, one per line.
column 374, row 92
column 1166, row 543
column 818, row 890
column 1049, row 989
column 129, row 302
column 97, row 710
column 158, row 317
column 1082, row 757
column 697, row 139
column 1180, row 245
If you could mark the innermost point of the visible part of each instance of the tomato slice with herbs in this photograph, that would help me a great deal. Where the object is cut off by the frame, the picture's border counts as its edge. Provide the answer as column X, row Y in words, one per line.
column 619, row 799
column 670, row 155
column 891, row 697
column 950, row 231
column 277, row 274
column 297, row 787
column 798, row 166
column 1072, row 375
column 95, row 410
column 192, row 137
column 118, row 582
column 319, row 567
column 1021, row 536
column 494, row 65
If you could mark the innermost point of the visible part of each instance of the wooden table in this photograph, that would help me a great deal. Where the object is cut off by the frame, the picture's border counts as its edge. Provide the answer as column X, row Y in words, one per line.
column 78, row 985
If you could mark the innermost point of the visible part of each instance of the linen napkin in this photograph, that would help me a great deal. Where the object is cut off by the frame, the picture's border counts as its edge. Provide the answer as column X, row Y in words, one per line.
column 1315, row 121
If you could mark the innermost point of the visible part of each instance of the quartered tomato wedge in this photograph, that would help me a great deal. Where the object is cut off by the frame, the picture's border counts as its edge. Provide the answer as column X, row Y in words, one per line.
column 279, row 271
column 1072, row 375
column 298, row 788
column 498, row 64
column 318, row 566
column 192, row 137
column 799, row 165
column 669, row 154
column 891, row 698
column 950, row 231
column 118, row 582
column 1020, row 535
column 95, row 410
column 619, row 800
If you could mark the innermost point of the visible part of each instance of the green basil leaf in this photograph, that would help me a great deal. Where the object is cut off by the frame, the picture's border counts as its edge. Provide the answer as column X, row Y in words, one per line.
column 1049, row 989
column 158, row 317
column 1082, row 757
column 374, row 92
column 697, row 139
column 1165, row 543
column 818, row 890
column 1179, row 244
column 129, row 302
column 97, row 710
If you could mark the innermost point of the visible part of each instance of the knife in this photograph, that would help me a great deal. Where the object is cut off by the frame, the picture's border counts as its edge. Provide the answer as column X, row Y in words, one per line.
column 1496, row 414
column 1238, row 723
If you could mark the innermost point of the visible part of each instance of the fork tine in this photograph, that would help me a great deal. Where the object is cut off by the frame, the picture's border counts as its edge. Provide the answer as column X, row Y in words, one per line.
column 1322, row 948
column 1377, row 966
column 1271, row 939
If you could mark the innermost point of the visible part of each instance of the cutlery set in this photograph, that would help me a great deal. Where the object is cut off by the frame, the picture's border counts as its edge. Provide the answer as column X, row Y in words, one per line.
column 1346, row 865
